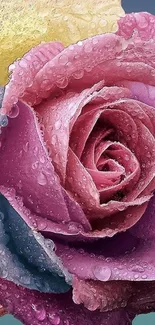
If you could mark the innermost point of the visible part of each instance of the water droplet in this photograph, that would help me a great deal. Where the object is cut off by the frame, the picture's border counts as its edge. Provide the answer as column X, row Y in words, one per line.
column 62, row 83
column 4, row 287
column 11, row 67
column 1, row 216
column 42, row 159
column 54, row 319
column 102, row 273
column 75, row 227
column 80, row 43
column 49, row 244
column 57, row 124
column 26, row 146
column 25, row 279
column 63, row 59
column 40, row 312
column 42, row 179
column 78, row 74
column 14, row 111
column 3, row 270
column 42, row 224
column 3, row 120
column 35, row 165
column 137, row 268
column 120, row 207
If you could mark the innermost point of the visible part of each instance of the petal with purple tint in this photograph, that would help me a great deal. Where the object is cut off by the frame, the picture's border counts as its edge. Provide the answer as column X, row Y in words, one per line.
column 34, row 308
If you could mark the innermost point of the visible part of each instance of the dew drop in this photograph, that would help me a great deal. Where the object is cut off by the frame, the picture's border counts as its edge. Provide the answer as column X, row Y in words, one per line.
column 26, row 146
column 74, row 227
column 25, row 279
column 42, row 179
column 42, row 224
column 3, row 120
column 78, row 74
column 23, row 64
column 1, row 216
column 80, row 43
column 14, row 112
column 54, row 319
column 62, row 83
column 35, row 165
column 63, row 59
column 39, row 311
column 42, row 159
column 57, row 124
column 102, row 273
column 137, row 268
column 49, row 244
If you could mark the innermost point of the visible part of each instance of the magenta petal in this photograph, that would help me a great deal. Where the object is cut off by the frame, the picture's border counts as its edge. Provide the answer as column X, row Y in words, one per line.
column 101, row 295
column 28, row 179
column 34, row 308
column 27, row 168
column 145, row 228
column 111, row 259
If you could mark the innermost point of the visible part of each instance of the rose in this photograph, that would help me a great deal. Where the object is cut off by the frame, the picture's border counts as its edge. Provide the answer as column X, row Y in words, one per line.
column 77, row 160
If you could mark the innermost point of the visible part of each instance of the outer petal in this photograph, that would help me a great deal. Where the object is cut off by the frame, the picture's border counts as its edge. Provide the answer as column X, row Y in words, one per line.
column 138, row 25
column 35, row 170
column 34, row 308
column 112, row 58
column 123, row 257
column 51, row 20
column 25, row 257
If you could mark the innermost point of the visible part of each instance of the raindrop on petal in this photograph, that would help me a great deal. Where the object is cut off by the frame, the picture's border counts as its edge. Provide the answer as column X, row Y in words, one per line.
column 102, row 273
column 40, row 312
column 3, row 120
column 42, row 179
column 14, row 111
column 54, row 319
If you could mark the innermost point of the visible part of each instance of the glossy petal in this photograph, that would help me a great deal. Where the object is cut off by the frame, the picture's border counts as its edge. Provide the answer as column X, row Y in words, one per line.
column 58, row 116
column 25, row 70
column 123, row 257
column 100, row 295
column 26, row 171
column 34, row 308
column 27, row 24
column 112, row 59
column 26, row 258
column 138, row 25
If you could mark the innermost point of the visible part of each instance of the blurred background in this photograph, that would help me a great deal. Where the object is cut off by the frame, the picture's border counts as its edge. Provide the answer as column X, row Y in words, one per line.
column 129, row 6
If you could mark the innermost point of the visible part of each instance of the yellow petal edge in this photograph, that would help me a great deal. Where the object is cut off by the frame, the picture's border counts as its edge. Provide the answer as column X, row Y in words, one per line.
column 24, row 24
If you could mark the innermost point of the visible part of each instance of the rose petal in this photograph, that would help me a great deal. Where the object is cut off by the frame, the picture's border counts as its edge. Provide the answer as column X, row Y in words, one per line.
column 25, row 70
column 100, row 295
column 25, row 257
column 29, row 167
column 85, row 124
column 26, row 171
column 123, row 257
column 34, row 308
column 58, row 115
column 144, row 228
column 140, row 91
column 139, row 24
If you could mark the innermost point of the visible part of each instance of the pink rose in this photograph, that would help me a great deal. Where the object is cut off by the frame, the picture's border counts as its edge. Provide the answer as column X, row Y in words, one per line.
column 78, row 158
